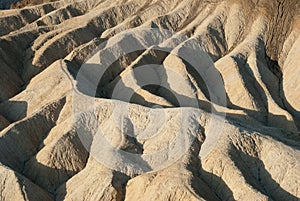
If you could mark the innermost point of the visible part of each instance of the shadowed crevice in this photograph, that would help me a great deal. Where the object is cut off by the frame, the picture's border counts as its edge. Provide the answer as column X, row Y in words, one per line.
column 255, row 173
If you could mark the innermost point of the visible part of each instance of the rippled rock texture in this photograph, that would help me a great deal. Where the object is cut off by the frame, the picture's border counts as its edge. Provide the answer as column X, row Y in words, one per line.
column 240, row 145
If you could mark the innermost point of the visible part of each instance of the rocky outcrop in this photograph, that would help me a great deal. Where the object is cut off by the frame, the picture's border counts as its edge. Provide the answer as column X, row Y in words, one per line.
column 14, row 186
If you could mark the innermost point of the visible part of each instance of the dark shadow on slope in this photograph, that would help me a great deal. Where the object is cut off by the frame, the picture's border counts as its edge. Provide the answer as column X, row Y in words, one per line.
column 210, row 182
column 61, row 195
column 206, row 184
column 255, row 173
column 281, row 121
column 28, row 136
column 255, row 89
column 263, row 116
column 13, row 110
column 52, row 178
column 119, row 182
column 252, row 86
column 159, row 90
column 111, row 77
column 216, row 184
column 31, row 191
column 286, row 137
column 47, row 170
column 60, row 172
column 125, row 93
column 117, row 67
column 198, row 78
column 279, row 95
column 3, row 122
column 5, row 4
column 295, row 113
column 131, row 150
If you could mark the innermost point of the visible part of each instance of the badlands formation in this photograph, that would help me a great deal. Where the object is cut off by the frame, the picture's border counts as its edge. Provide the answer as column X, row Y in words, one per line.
column 224, row 126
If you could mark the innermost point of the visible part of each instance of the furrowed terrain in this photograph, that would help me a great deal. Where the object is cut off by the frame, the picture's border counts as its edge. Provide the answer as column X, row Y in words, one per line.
column 254, row 46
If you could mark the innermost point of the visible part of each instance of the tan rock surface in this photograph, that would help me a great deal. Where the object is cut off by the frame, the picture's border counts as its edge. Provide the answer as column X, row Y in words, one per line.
column 51, row 147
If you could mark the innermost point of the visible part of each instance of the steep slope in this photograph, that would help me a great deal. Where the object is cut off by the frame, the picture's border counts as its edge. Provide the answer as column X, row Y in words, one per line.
column 150, row 100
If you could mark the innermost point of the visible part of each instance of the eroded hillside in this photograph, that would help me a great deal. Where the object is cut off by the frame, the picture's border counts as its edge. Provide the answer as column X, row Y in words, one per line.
column 241, row 145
